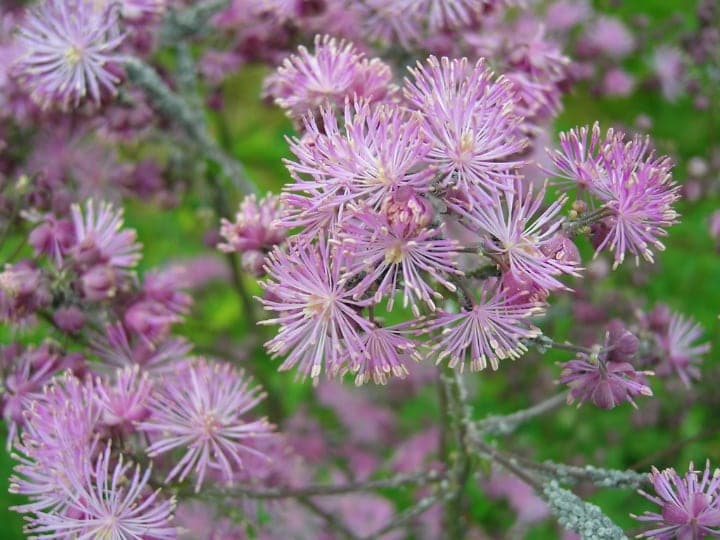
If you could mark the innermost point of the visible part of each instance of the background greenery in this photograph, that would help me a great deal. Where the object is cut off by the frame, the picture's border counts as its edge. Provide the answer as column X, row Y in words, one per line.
column 685, row 277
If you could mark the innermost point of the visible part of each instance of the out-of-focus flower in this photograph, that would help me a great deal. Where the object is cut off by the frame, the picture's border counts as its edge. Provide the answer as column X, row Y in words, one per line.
column 679, row 352
column 689, row 505
column 68, row 53
column 22, row 292
column 528, row 507
column 617, row 82
column 108, row 501
column 254, row 232
column 202, row 411
column 493, row 329
column 53, row 237
column 100, row 238
column 608, row 35
column 669, row 66
column 334, row 72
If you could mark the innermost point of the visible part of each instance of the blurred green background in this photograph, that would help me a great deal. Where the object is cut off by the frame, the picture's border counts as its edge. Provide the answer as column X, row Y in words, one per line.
column 685, row 277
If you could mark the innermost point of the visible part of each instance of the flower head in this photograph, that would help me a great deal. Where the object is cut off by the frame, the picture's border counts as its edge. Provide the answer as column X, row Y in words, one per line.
column 100, row 238
column 383, row 250
column 521, row 237
column 376, row 151
column 387, row 351
column 254, row 232
column 679, row 351
column 605, row 375
column 492, row 329
column 690, row 505
column 67, row 53
column 124, row 402
column 202, row 412
column 469, row 118
column 319, row 319
column 334, row 72
column 109, row 500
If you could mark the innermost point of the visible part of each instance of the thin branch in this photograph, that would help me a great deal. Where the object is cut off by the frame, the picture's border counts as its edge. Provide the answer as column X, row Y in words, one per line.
column 401, row 480
column 504, row 424
column 405, row 517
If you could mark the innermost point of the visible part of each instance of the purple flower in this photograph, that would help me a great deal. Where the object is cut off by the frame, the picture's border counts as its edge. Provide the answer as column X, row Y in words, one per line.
column 26, row 374
column 522, row 242
column 678, row 348
column 118, row 348
column 492, row 329
column 100, row 238
column 605, row 376
column 109, row 500
column 446, row 14
column 387, row 350
column 58, row 440
column 610, row 36
column 385, row 248
column 634, row 186
column 202, row 412
column 254, row 232
column 469, row 119
column 378, row 150
column 669, row 66
column 690, row 505
column 53, row 237
column 125, row 401
column 334, row 72
column 319, row 318
column 22, row 292
column 67, row 53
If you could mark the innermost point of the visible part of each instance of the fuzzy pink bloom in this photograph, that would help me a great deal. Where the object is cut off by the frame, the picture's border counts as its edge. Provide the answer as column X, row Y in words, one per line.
column 387, row 250
column 202, row 412
column 334, row 72
column 109, row 500
column 374, row 152
column 469, row 118
column 521, row 236
column 100, row 238
column 317, row 314
column 66, row 50
column 387, row 351
column 679, row 351
column 689, row 505
column 490, row 330
column 124, row 402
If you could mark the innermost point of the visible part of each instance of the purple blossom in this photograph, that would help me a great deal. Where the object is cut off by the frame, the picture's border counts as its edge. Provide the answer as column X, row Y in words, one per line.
column 255, row 231
column 469, row 119
column 635, row 187
column 389, row 250
column 605, row 376
column 202, row 412
column 335, row 71
column 318, row 316
column 678, row 348
column 53, row 237
column 608, row 35
column 119, row 349
column 387, row 351
column 124, row 402
column 109, row 500
column 58, row 440
column 490, row 330
column 100, row 238
column 67, row 53
column 376, row 151
column 521, row 237
column 23, row 291
column 690, row 505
